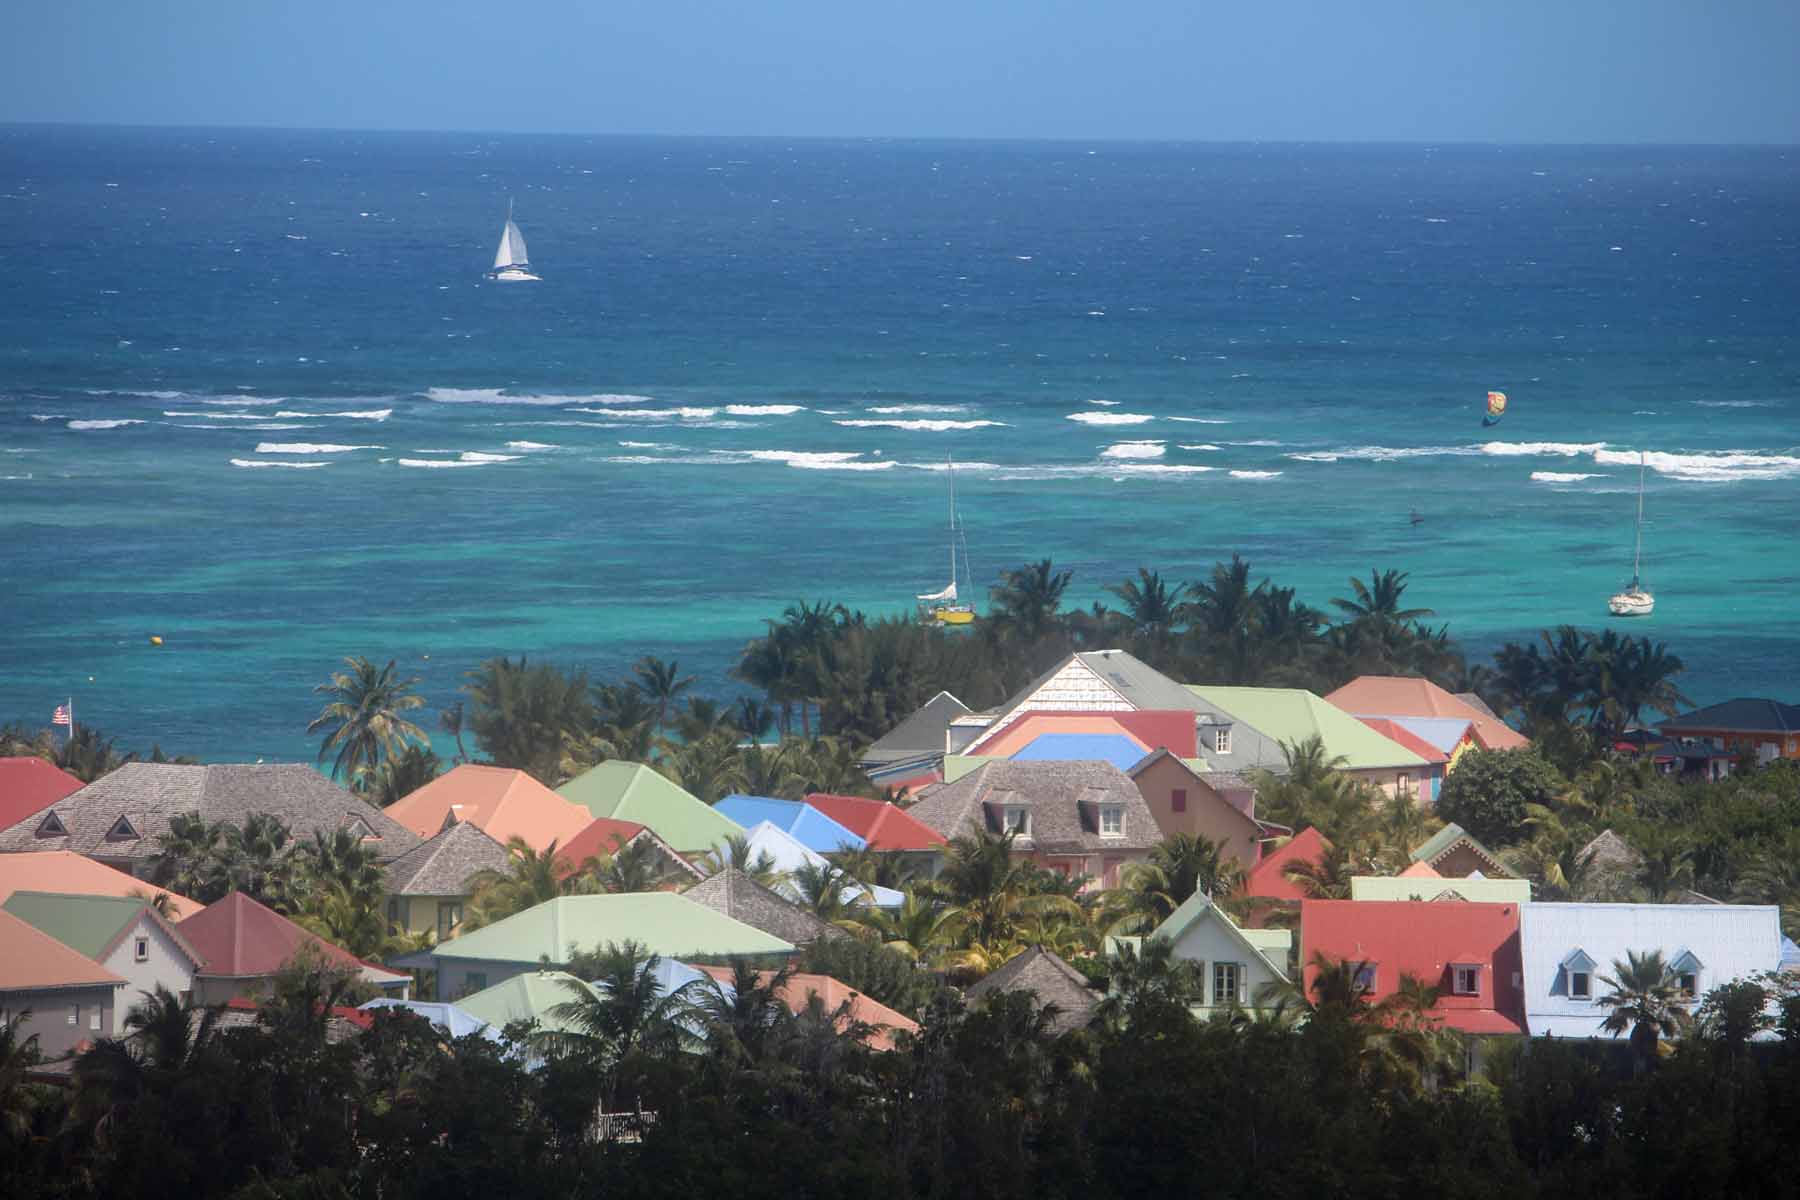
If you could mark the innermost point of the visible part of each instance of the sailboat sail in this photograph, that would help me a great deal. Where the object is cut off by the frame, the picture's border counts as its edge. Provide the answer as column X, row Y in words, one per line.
column 511, row 252
column 948, row 593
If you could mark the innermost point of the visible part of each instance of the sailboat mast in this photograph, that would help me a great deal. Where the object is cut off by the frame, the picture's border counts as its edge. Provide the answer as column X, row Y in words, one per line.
column 1637, row 554
column 950, row 468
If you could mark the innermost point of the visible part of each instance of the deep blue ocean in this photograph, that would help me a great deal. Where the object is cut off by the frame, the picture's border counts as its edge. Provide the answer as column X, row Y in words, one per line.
column 257, row 398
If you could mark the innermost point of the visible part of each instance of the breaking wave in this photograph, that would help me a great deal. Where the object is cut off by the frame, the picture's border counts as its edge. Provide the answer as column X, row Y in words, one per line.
column 1725, row 466
column 1255, row 474
column 500, row 396
column 1110, row 418
column 764, row 410
column 917, row 426
column 530, row 446
column 309, row 448
column 113, row 424
column 1134, row 450
column 275, row 462
column 902, row 409
column 1564, row 449
column 367, row 414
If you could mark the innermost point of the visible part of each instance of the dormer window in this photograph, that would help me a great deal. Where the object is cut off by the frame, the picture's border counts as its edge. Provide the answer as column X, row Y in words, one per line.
column 359, row 829
column 1465, row 979
column 1222, row 740
column 122, row 831
column 1016, row 820
column 51, row 826
column 1578, row 976
column 1687, row 974
column 1112, row 820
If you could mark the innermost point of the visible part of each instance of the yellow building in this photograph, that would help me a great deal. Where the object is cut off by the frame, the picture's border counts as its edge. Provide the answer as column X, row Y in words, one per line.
column 428, row 887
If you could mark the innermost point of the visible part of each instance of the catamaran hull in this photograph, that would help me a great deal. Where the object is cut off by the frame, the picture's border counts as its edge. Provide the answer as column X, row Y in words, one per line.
column 1631, row 604
column 514, row 275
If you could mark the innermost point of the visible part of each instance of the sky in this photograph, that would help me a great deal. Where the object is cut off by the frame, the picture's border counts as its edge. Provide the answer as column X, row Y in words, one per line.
column 1285, row 70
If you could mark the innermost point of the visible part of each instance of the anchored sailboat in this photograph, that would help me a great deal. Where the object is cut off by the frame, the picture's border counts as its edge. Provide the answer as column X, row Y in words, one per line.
column 511, row 263
column 1635, row 600
column 942, row 607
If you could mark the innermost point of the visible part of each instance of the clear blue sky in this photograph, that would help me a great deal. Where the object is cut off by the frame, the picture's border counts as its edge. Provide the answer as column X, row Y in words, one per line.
column 1340, row 70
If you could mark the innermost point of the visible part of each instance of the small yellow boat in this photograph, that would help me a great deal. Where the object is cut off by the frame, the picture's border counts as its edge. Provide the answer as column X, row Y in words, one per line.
column 942, row 607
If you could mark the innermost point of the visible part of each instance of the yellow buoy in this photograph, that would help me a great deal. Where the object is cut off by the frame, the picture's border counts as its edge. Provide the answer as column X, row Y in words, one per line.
column 156, row 639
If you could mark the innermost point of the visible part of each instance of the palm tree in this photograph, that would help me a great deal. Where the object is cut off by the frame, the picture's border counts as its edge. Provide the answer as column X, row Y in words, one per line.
column 402, row 775
column 524, row 715
column 1152, row 608
column 341, row 859
column 1224, row 603
column 708, row 769
column 1179, row 866
column 362, row 718
column 1646, row 1001
column 1378, row 601
column 742, row 1017
column 1024, row 604
column 1149, row 973
column 187, row 857
column 18, row 1057
column 918, row 928
column 451, row 722
column 1327, row 879
column 625, row 1012
column 255, row 857
column 735, row 852
column 662, row 684
column 823, row 888
column 530, row 878
column 636, row 867
column 88, row 754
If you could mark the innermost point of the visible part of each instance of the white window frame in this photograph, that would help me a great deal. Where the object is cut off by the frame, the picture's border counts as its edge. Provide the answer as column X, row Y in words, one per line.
column 1585, row 989
column 1235, row 994
column 1113, row 815
column 1681, row 982
column 1465, row 979
column 140, row 950
column 1222, row 740
column 74, row 1014
column 1016, row 820
column 93, row 1017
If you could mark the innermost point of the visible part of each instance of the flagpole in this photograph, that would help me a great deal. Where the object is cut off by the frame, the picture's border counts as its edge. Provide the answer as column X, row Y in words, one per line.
column 71, row 718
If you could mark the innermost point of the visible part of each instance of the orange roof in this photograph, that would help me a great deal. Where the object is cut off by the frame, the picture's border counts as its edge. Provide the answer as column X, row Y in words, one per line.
column 1420, row 870
column 833, row 993
column 29, row 784
column 882, row 825
column 73, row 874
column 1398, row 696
column 501, row 802
column 1268, row 879
column 31, row 960
column 603, row 835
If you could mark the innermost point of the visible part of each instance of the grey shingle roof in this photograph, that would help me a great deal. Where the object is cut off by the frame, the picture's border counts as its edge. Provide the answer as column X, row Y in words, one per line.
column 1064, row 799
column 146, row 795
column 920, row 735
column 1742, row 715
column 444, row 865
column 741, row 898
column 1474, row 701
column 1051, row 980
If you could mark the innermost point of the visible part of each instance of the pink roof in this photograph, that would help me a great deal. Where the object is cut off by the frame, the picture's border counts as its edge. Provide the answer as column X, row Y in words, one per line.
column 603, row 835
column 1421, row 870
column 1399, row 696
column 1268, row 879
column 28, row 785
column 242, row 939
column 31, row 960
column 882, row 825
column 73, row 874
column 1154, row 729
column 832, row 993
column 501, row 802
column 1412, row 937
column 1398, row 733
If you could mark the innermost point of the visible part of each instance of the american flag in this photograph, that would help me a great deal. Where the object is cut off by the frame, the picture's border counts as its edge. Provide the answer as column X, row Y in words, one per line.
column 61, row 717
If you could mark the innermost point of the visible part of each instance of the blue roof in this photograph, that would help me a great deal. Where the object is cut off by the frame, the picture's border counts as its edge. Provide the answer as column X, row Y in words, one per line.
column 1790, row 953
column 1442, row 732
column 806, row 824
column 1114, row 748
column 448, row 1017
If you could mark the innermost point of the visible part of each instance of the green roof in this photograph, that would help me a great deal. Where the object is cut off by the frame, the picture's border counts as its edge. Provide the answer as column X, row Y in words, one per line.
column 627, row 791
column 958, row 765
column 526, row 997
column 1425, row 887
column 1293, row 714
column 1439, row 843
column 663, row 922
column 1199, row 907
column 88, row 925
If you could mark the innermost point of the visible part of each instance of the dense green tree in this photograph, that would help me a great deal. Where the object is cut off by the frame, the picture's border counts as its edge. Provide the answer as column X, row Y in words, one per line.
column 524, row 716
column 1489, row 791
column 363, row 719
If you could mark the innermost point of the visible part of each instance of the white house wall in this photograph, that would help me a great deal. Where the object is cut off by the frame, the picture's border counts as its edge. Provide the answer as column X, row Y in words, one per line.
column 1209, row 941
column 167, row 966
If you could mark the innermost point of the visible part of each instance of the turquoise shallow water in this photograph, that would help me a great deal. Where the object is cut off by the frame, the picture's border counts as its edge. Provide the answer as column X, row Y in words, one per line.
column 748, row 360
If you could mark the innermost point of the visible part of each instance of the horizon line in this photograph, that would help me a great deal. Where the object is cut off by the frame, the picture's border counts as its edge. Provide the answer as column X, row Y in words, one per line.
column 1106, row 139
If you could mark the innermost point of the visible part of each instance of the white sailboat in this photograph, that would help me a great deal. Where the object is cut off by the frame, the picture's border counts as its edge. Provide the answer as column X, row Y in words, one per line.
column 511, row 263
column 942, row 607
column 1635, row 600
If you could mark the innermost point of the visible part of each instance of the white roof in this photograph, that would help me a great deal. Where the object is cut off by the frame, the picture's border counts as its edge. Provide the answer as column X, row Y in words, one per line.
column 1730, row 941
column 790, row 854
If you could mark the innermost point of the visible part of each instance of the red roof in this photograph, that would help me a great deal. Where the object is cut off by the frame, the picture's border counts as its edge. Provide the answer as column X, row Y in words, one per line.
column 882, row 825
column 241, row 939
column 1402, row 696
column 1425, row 939
column 1268, row 878
column 1395, row 732
column 29, row 785
column 603, row 835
